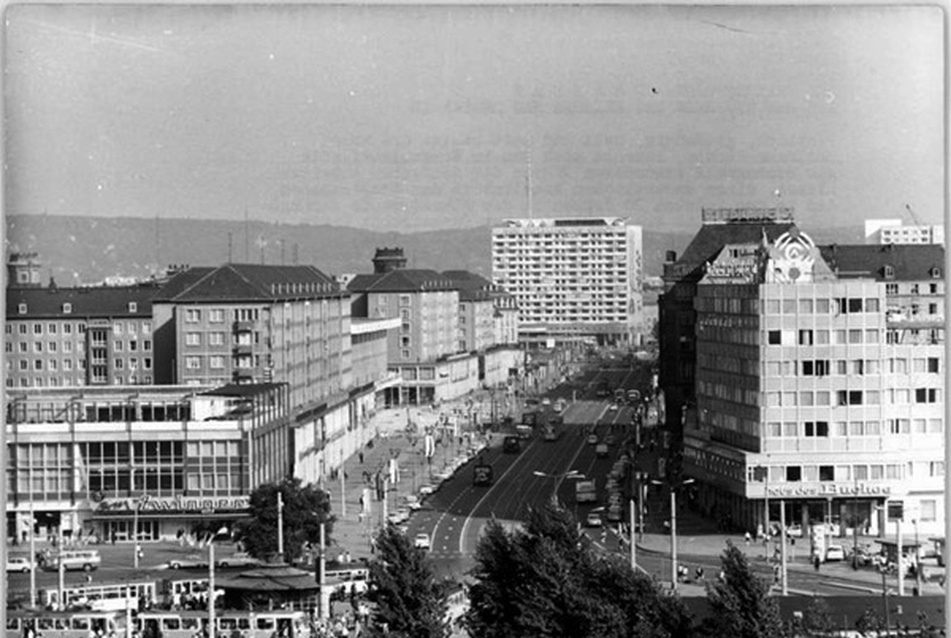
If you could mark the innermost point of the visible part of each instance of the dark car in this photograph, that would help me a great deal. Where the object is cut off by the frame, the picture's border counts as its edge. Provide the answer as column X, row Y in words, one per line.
column 511, row 444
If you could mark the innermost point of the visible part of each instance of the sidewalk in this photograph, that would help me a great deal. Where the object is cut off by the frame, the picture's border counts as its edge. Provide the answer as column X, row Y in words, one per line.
column 353, row 530
column 703, row 547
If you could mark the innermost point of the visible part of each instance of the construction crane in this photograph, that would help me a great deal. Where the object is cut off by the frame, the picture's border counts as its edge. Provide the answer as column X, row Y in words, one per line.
column 914, row 217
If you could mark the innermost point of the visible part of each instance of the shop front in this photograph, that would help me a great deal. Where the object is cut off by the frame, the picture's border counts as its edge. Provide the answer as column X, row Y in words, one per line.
column 164, row 518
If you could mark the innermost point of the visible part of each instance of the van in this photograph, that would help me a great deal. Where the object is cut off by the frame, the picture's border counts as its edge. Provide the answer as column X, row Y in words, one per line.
column 72, row 559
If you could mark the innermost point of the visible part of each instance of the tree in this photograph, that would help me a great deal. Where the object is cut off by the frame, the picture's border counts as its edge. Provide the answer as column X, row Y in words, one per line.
column 740, row 603
column 305, row 508
column 547, row 580
column 409, row 601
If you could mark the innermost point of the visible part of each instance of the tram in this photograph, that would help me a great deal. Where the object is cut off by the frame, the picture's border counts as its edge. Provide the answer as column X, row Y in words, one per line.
column 248, row 624
column 106, row 597
column 63, row 624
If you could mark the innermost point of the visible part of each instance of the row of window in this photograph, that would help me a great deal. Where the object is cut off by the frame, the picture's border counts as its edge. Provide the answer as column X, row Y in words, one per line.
column 38, row 328
column 66, row 365
column 854, row 367
column 841, row 473
column 891, row 396
column 822, row 306
column 118, row 345
column 217, row 315
column 793, row 429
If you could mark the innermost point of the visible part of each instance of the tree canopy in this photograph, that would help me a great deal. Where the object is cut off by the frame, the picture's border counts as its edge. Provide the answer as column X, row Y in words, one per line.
column 305, row 508
column 409, row 602
column 547, row 580
column 740, row 602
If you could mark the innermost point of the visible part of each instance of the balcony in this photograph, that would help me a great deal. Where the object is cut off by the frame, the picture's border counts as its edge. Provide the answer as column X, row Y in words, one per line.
column 242, row 326
column 242, row 349
column 245, row 374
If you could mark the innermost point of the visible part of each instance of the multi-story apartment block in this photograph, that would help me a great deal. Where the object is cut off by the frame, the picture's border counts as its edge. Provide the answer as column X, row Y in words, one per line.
column 488, row 316
column 819, row 384
column 85, row 463
column 61, row 337
column 892, row 231
column 248, row 323
column 572, row 277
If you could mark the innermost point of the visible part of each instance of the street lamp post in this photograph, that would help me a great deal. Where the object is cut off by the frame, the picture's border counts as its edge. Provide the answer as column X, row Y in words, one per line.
column 673, row 531
column 572, row 474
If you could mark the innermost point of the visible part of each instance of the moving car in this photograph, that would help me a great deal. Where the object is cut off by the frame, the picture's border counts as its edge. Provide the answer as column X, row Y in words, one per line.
column 592, row 439
column 192, row 561
column 399, row 516
column 421, row 541
column 238, row 559
column 21, row 564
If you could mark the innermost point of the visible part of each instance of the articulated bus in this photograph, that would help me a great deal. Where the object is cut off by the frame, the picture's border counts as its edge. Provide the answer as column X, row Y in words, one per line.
column 250, row 624
column 63, row 624
column 114, row 597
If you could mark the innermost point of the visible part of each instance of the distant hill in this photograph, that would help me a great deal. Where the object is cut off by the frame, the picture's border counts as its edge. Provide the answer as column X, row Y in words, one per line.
column 88, row 249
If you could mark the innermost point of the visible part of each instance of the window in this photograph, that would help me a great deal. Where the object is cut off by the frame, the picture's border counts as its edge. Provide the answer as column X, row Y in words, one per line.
column 37, row 328
column 775, row 338
column 133, row 306
column 117, row 345
column 117, row 327
column 929, row 510
column 817, row 428
column 67, row 308
column 216, row 362
column 147, row 363
column 192, row 338
column 822, row 306
column 926, row 395
column 826, row 473
column 871, row 305
column 891, row 289
column 849, row 397
column 192, row 315
column 119, row 364
column 855, row 336
column 216, row 338
column 805, row 337
column 21, row 308
column 37, row 346
column 793, row 473
column 216, row 315
column 805, row 306
column 193, row 363
column 404, row 300
column 933, row 364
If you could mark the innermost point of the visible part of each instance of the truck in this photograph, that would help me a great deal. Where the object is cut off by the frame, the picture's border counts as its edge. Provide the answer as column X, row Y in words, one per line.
column 586, row 492
column 601, row 450
column 523, row 431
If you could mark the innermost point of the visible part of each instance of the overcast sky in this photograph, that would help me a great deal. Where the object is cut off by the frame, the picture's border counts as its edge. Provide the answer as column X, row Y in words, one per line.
column 405, row 118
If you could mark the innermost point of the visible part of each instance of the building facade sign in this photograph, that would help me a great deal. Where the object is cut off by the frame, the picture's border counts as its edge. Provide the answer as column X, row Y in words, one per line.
column 151, row 504
column 829, row 490
column 792, row 258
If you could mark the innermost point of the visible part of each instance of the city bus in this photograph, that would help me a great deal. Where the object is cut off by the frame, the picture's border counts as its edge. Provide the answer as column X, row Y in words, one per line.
column 250, row 624
column 63, row 624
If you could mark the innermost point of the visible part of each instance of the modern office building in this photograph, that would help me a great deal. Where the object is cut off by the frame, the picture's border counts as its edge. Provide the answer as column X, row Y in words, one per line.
column 818, row 384
column 892, row 231
column 676, row 315
column 573, row 278
column 100, row 461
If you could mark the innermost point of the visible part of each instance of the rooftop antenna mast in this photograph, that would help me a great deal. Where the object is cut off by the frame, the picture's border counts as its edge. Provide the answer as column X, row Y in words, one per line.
column 247, row 240
column 528, row 178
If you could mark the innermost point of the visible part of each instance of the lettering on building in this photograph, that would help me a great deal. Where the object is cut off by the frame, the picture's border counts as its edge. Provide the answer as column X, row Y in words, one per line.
column 830, row 489
column 151, row 504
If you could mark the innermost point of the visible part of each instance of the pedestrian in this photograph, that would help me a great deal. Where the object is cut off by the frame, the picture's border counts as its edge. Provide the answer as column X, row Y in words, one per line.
column 699, row 573
column 748, row 538
column 360, row 455
column 816, row 562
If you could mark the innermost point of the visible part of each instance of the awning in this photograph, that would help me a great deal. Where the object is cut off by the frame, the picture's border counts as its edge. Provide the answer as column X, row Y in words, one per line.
column 145, row 516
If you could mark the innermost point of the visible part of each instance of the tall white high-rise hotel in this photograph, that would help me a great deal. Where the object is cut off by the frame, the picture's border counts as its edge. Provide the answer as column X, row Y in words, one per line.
column 573, row 277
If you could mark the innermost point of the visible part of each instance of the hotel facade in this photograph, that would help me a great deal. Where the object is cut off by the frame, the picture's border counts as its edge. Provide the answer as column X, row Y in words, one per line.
column 573, row 278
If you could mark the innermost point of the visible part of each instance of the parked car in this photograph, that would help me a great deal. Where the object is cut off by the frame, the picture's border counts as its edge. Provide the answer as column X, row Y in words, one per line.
column 592, row 439
column 192, row 561
column 19, row 564
column 421, row 541
column 413, row 502
column 399, row 516
column 794, row 531
column 594, row 520
column 427, row 489
column 835, row 553
column 238, row 559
